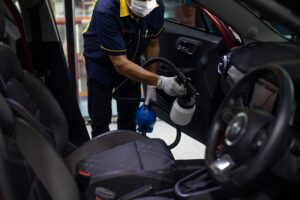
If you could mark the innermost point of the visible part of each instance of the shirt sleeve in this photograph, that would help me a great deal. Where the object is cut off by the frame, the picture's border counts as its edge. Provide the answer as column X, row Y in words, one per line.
column 109, row 34
column 157, row 24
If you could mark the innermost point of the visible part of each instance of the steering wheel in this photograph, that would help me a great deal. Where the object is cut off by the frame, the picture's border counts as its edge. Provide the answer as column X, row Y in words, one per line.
column 251, row 139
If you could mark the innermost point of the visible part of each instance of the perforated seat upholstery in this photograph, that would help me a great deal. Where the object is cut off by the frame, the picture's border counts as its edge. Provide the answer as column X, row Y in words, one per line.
column 137, row 155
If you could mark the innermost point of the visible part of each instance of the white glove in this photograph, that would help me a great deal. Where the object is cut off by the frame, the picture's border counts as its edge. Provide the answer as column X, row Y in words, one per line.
column 170, row 86
column 151, row 94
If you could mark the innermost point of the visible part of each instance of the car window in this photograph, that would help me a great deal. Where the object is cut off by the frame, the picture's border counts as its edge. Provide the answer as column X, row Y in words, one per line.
column 273, row 23
column 59, row 14
column 82, row 13
column 187, row 13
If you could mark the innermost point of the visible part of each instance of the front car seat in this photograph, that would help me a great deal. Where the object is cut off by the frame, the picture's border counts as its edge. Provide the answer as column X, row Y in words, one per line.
column 30, row 168
column 113, row 159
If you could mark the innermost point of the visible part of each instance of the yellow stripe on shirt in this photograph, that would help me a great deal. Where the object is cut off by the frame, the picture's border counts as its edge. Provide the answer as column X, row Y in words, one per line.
column 88, row 24
column 113, row 50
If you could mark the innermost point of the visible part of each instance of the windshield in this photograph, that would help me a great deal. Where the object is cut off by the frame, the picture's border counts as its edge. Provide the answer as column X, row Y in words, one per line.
column 277, row 26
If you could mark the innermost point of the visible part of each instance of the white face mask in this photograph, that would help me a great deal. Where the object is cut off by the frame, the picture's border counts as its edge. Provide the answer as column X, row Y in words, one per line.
column 142, row 8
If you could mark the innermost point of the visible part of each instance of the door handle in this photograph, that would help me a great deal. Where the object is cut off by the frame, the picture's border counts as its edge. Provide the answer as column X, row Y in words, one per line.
column 186, row 46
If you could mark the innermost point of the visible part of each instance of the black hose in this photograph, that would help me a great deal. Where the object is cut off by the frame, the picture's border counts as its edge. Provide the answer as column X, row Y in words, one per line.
column 177, row 139
column 178, row 128
column 181, row 79
column 121, row 85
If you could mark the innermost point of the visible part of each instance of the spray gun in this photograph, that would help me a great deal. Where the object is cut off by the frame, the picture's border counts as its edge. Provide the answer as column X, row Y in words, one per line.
column 183, row 107
column 182, row 110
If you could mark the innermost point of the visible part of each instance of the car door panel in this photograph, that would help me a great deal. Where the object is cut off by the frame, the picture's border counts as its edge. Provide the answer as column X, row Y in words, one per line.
column 196, row 53
column 173, row 36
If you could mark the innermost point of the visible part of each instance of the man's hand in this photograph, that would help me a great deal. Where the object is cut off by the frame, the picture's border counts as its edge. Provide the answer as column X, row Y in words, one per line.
column 170, row 86
column 151, row 94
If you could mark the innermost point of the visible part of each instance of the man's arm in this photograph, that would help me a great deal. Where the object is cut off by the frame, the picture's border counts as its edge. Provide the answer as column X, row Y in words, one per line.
column 133, row 71
column 153, row 51
column 137, row 73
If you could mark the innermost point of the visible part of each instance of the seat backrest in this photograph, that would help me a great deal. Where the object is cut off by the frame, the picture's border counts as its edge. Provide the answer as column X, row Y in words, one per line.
column 25, row 89
column 30, row 166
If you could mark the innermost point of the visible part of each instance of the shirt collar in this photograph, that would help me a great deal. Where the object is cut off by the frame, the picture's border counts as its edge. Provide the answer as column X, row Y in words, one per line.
column 124, row 10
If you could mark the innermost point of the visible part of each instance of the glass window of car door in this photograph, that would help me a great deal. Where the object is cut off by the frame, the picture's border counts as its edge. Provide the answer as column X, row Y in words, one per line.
column 82, row 14
column 187, row 13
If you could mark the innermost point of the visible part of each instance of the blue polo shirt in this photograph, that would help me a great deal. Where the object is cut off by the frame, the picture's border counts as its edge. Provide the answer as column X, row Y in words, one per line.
column 114, row 31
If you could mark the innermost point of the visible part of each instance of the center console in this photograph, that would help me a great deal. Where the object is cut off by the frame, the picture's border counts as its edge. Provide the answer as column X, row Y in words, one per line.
column 198, row 185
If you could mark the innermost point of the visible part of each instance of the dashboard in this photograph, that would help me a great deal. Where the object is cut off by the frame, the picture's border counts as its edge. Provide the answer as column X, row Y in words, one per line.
column 240, row 60
column 264, row 96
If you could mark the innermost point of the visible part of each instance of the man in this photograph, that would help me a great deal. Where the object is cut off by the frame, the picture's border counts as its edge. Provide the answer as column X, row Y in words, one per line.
column 119, row 32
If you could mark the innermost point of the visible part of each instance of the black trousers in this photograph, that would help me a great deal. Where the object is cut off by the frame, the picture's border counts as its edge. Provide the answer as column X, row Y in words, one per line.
column 100, row 111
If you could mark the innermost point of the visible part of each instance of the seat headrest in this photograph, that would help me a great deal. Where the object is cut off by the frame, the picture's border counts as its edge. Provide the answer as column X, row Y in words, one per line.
column 10, row 67
column 2, row 21
column 7, row 119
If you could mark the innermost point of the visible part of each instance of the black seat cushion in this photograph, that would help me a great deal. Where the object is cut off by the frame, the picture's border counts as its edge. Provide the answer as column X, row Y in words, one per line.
column 124, row 161
column 129, row 166
column 140, row 155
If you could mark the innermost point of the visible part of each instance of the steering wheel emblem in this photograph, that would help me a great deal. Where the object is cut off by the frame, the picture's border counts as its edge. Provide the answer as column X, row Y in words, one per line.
column 236, row 128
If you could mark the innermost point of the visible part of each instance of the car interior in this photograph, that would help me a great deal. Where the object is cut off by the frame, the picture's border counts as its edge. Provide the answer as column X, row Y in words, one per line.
column 251, row 133
column 31, row 101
